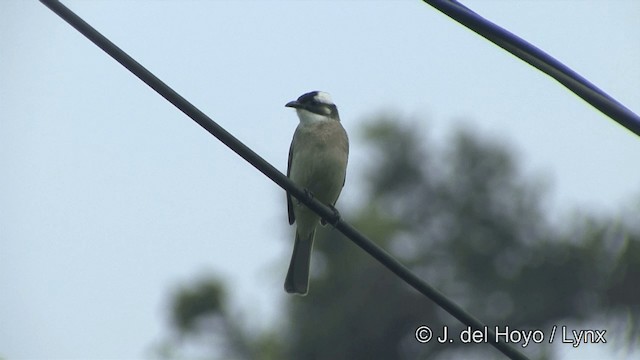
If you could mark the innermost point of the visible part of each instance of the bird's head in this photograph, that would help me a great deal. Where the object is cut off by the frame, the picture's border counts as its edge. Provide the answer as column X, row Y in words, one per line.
column 315, row 106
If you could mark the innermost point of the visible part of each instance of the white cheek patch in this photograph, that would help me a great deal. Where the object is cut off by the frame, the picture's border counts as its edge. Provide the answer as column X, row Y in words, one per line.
column 323, row 97
column 308, row 117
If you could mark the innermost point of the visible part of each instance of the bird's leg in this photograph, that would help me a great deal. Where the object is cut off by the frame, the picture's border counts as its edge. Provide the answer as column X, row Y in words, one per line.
column 336, row 216
column 308, row 194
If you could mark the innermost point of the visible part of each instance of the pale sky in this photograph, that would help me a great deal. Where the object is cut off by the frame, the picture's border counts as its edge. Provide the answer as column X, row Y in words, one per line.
column 110, row 197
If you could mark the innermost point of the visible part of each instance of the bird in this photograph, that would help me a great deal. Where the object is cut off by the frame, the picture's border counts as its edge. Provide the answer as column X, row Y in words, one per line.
column 318, row 159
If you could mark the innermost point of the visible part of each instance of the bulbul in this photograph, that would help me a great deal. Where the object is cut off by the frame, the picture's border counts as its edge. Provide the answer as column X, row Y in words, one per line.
column 318, row 163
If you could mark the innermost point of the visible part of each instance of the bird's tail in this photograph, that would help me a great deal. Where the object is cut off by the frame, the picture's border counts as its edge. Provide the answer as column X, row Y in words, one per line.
column 297, row 281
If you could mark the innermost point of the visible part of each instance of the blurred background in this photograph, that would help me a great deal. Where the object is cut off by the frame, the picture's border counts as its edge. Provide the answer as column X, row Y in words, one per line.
column 126, row 231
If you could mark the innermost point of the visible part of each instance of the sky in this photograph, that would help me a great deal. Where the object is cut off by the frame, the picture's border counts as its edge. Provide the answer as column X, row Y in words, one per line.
column 110, row 198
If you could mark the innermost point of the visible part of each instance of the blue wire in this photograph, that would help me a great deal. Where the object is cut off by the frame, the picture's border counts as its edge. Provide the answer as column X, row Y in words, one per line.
column 540, row 60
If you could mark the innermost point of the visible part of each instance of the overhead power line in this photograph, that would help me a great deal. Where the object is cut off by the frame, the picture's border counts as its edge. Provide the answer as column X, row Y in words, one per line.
column 263, row 166
column 540, row 60
column 465, row 16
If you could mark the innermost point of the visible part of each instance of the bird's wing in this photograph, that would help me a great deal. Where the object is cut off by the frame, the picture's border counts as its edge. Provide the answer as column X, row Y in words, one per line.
column 292, row 217
column 344, row 179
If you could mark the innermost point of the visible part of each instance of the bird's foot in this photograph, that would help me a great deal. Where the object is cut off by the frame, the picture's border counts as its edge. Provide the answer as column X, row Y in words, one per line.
column 336, row 217
column 308, row 194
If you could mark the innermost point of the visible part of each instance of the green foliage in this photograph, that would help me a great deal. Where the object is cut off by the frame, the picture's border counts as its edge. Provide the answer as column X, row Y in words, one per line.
column 205, row 327
column 465, row 219
column 191, row 305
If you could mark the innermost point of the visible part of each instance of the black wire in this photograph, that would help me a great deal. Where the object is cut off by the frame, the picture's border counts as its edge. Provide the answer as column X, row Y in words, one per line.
column 259, row 163
column 540, row 60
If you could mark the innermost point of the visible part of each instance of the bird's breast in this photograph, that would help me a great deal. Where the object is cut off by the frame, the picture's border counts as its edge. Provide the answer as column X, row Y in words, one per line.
column 319, row 159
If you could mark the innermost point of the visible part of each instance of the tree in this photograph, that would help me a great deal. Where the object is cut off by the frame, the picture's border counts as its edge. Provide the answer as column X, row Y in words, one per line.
column 466, row 219
column 204, row 327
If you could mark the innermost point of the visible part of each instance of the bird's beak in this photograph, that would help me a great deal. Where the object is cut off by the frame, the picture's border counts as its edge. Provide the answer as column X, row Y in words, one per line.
column 294, row 104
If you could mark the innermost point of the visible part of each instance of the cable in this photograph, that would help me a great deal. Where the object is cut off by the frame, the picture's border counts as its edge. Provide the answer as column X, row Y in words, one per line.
column 540, row 60
column 263, row 166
